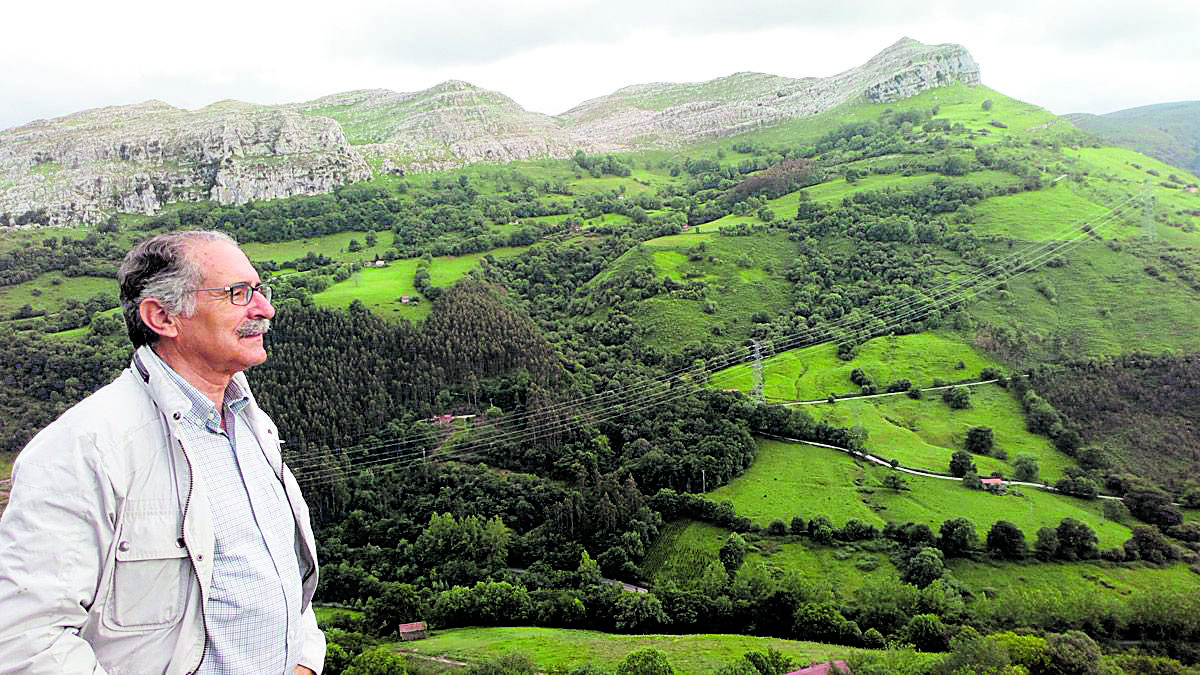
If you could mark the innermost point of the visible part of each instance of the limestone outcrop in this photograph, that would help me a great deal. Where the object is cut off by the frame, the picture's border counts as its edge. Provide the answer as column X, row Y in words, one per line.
column 137, row 158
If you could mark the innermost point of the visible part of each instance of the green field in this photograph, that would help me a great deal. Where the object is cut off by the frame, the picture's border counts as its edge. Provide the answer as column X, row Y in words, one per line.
column 788, row 480
column 333, row 246
column 1101, row 301
column 551, row 648
column 1052, row 213
column 381, row 288
column 815, row 372
column 50, row 291
column 1075, row 577
column 923, row 434
column 742, row 276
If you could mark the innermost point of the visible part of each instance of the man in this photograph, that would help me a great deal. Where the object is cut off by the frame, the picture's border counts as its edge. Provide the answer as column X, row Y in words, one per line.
column 153, row 528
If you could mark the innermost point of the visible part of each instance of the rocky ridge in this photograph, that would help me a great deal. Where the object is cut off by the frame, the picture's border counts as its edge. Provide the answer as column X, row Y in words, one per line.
column 137, row 158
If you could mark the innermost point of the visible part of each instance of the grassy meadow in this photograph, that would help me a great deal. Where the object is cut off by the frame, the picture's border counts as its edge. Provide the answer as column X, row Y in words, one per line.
column 551, row 648
column 794, row 479
column 816, row 372
column 381, row 288
column 923, row 434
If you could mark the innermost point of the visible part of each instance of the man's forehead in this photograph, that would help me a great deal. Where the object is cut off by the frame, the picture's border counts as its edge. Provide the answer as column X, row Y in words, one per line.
column 224, row 264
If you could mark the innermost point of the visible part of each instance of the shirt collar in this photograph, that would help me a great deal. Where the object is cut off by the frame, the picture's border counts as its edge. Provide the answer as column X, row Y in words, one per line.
column 202, row 410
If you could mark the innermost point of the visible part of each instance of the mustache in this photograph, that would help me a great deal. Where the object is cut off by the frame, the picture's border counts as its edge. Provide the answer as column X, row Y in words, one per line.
column 253, row 327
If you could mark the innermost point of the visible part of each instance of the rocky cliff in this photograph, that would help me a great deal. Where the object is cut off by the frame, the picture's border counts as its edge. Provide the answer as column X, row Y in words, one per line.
column 136, row 158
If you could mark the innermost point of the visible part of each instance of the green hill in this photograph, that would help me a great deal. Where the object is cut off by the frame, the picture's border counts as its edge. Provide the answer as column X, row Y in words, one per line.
column 1169, row 132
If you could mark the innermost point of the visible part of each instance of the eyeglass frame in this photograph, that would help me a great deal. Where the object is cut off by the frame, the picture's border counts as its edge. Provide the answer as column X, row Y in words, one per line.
column 245, row 288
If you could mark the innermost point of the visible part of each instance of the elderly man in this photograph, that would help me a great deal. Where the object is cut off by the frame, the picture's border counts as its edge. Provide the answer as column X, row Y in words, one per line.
column 153, row 528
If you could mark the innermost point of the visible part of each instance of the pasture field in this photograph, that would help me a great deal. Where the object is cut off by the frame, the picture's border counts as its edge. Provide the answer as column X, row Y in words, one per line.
column 50, row 291
column 332, row 245
column 743, row 275
column 552, row 648
column 815, row 372
column 380, row 288
column 1050, row 214
column 1077, row 577
column 789, row 480
column 1100, row 301
column 923, row 434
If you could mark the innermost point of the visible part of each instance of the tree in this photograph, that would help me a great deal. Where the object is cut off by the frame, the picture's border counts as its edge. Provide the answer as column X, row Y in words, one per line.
column 927, row 633
column 1149, row 544
column 1025, row 469
column 1006, row 540
column 645, row 662
column 957, row 537
column 1045, row 547
column 378, row 661
column 980, row 440
column 957, row 397
column 770, row 662
column 396, row 604
column 961, row 464
column 732, row 553
column 986, row 105
column 894, row 481
column 1151, row 505
column 1076, row 541
column 1072, row 653
column 923, row 568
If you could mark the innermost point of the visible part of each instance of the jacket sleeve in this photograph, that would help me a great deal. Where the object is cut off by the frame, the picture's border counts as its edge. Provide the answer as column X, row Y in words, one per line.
column 312, row 650
column 54, row 536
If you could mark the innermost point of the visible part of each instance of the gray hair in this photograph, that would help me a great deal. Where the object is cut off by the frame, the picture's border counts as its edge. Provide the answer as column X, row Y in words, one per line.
column 162, row 268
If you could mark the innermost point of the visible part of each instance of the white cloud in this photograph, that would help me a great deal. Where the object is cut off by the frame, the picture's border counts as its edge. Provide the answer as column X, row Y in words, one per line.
column 551, row 55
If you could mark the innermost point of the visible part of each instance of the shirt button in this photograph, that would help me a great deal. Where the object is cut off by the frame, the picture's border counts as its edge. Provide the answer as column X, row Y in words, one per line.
column 123, row 546
column 200, row 556
column 176, row 415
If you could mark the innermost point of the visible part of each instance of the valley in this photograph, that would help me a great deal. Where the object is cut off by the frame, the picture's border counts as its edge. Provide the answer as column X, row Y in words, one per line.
column 582, row 364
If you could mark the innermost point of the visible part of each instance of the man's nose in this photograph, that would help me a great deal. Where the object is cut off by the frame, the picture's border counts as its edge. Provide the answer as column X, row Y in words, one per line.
column 260, row 307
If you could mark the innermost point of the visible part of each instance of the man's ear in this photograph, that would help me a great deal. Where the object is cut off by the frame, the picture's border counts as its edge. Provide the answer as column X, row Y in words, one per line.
column 158, row 319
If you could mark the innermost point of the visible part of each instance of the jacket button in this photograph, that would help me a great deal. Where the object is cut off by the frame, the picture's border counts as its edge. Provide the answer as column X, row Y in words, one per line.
column 123, row 546
column 179, row 542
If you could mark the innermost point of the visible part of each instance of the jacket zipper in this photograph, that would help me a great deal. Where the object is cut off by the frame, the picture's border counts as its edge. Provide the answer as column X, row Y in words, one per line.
column 186, row 505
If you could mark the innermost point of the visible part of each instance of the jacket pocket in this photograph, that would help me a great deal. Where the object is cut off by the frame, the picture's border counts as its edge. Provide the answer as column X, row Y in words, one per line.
column 151, row 575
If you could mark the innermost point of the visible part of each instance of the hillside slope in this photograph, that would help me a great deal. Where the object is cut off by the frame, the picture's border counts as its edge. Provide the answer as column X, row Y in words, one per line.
column 83, row 167
column 1167, row 131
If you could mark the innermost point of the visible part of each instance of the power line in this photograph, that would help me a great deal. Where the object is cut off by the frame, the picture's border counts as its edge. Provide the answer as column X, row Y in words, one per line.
column 617, row 400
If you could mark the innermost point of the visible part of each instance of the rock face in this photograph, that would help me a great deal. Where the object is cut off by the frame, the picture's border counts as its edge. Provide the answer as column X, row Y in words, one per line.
column 136, row 158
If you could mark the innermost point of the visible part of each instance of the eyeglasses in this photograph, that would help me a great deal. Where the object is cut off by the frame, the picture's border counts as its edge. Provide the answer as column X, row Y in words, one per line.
column 241, row 293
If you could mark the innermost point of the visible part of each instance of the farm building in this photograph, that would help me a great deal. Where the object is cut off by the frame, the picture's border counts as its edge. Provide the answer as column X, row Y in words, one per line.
column 412, row 631
column 995, row 485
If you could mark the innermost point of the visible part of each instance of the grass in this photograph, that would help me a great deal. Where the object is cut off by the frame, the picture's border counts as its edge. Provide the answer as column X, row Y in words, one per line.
column 1072, row 577
column 551, row 648
column 743, row 275
column 332, row 245
column 1100, row 302
column 50, row 291
column 380, row 288
column 815, row 372
column 923, row 434
column 1053, row 213
column 788, row 480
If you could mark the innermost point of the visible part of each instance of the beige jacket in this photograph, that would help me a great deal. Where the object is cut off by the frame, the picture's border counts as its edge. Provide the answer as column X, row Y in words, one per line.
column 106, row 546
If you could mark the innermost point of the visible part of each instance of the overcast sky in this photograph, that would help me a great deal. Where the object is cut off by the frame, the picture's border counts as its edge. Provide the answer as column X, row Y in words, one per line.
column 549, row 55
